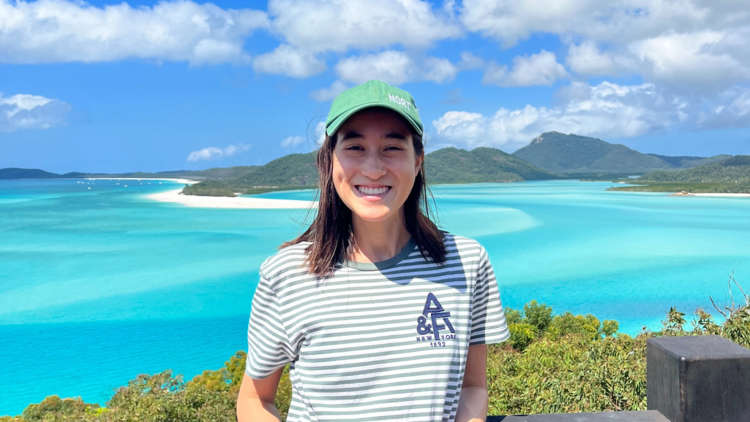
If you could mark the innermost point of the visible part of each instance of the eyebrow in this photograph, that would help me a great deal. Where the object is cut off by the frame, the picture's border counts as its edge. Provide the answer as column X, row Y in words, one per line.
column 396, row 135
column 351, row 134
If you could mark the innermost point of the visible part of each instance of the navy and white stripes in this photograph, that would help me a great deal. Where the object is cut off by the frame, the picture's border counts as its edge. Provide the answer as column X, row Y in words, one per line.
column 375, row 342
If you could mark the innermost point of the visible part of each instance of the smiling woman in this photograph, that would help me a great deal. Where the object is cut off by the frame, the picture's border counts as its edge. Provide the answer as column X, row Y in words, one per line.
column 375, row 161
column 380, row 315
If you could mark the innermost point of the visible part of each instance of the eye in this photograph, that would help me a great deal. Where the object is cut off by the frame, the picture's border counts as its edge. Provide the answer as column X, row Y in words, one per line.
column 354, row 148
column 393, row 148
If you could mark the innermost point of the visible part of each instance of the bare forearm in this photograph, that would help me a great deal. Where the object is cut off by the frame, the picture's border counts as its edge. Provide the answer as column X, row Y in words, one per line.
column 256, row 410
column 472, row 406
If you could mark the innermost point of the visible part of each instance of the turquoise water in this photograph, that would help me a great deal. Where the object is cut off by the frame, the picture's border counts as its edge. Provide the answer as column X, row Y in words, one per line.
column 99, row 285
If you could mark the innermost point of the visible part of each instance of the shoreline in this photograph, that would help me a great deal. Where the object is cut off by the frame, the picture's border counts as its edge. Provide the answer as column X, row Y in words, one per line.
column 718, row 195
column 175, row 196
column 142, row 178
column 728, row 195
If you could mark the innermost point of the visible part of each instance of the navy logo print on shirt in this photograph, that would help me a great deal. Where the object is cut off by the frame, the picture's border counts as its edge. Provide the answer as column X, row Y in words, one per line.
column 436, row 312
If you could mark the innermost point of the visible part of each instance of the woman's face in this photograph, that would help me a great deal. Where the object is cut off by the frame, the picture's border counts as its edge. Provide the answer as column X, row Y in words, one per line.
column 374, row 164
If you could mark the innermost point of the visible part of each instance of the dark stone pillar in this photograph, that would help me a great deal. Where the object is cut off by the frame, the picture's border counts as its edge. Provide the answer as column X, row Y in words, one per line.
column 698, row 379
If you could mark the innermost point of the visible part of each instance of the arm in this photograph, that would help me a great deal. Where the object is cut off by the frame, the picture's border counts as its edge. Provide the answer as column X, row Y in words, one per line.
column 473, row 402
column 256, row 399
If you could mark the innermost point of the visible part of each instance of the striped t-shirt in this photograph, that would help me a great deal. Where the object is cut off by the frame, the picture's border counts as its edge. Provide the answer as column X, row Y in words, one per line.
column 375, row 342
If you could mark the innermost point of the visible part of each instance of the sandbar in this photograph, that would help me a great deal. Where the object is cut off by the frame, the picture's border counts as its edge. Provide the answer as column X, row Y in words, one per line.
column 728, row 195
column 143, row 178
column 176, row 196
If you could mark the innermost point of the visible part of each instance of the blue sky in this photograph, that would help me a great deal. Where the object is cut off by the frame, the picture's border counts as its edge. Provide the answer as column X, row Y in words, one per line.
column 156, row 86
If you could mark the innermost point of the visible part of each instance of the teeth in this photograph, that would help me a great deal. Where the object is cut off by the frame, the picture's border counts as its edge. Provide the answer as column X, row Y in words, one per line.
column 373, row 191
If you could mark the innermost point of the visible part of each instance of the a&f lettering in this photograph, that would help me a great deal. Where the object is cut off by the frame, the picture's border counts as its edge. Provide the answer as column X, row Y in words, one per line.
column 435, row 310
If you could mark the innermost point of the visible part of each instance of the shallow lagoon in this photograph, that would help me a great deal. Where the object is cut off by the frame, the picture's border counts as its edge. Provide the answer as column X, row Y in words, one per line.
column 98, row 285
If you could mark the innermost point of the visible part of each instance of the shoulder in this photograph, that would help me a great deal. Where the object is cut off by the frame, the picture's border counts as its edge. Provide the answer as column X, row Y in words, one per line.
column 462, row 245
column 285, row 264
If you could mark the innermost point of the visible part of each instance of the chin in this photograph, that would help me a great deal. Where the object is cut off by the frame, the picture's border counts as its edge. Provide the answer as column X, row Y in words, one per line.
column 373, row 216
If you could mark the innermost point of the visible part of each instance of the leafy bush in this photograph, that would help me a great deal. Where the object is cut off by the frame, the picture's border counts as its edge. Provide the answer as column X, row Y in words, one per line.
column 540, row 316
column 574, row 373
column 521, row 335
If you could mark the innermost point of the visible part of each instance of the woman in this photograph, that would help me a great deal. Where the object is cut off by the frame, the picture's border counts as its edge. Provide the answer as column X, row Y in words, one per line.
column 381, row 315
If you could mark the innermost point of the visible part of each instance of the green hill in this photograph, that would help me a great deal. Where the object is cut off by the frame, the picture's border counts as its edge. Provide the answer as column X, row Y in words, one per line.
column 289, row 170
column 448, row 165
column 16, row 173
column 218, row 173
column 689, row 161
column 293, row 171
column 452, row 165
column 734, row 170
column 728, row 176
column 560, row 153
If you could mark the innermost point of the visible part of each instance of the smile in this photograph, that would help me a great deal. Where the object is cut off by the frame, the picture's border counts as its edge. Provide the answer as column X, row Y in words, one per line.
column 373, row 191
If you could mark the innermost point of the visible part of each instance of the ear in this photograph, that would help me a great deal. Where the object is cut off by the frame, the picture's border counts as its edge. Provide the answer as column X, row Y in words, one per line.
column 419, row 160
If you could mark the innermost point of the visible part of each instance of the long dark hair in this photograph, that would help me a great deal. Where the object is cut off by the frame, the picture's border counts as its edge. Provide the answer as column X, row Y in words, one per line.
column 331, row 230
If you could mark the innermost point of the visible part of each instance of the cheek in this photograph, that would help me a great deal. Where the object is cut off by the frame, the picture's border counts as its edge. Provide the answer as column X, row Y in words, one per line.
column 339, row 173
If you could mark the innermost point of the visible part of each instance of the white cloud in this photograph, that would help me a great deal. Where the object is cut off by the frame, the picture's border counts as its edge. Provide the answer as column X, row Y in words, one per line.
column 335, row 25
column 537, row 69
column 690, row 61
column 606, row 110
column 735, row 114
column 214, row 153
column 23, row 111
column 327, row 94
column 395, row 67
column 291, row 141
column 619, row 22
column 510, row 21
column 687, row 46
column 290, row 61
column 49, row 31
column 470, row 61
column 587, row 59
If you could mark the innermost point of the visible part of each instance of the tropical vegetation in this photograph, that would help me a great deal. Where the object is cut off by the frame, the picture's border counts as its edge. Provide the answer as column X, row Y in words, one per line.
column 447, row 165
column 728, row 176
column 480, row 165
column 560, row 153
column 551, row 155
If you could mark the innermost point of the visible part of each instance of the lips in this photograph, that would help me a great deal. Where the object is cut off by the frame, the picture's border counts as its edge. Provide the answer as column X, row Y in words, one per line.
column 379, row 190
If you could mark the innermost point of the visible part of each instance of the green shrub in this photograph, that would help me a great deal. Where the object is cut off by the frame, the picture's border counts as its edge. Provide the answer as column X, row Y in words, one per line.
column 521, row 335
column 53, row 408
column 540, row 316
column 573, row 373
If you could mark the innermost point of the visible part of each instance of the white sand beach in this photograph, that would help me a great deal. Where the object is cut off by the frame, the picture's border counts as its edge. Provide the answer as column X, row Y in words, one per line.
column 728, row 195
column 188, row 181
column 225, row 202
column 725, row 195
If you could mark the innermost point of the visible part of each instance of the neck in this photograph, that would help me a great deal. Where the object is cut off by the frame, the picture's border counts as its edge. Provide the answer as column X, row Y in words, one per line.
column 378, row 241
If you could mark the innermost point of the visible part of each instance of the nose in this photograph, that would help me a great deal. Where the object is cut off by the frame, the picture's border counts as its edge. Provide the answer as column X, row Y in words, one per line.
column 373, row 167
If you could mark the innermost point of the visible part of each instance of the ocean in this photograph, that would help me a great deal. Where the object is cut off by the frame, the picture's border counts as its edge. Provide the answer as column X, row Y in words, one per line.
column 99, row 283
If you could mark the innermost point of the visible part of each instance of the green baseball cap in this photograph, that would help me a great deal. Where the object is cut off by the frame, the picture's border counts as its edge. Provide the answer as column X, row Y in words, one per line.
column 372, row 93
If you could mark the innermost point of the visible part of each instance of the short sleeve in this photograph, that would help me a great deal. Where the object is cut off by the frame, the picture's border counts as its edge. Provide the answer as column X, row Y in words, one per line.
column 487, row 317
column 267, row 341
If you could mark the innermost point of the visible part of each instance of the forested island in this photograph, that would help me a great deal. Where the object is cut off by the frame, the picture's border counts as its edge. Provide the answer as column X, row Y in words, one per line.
column 553, row 363
column 728, row 176
column 549, row 156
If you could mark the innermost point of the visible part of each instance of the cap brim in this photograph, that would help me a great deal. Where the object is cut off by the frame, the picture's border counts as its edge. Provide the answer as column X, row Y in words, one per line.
column 337, row 122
